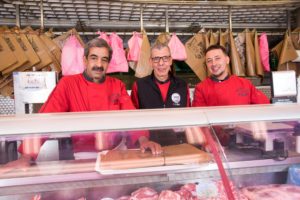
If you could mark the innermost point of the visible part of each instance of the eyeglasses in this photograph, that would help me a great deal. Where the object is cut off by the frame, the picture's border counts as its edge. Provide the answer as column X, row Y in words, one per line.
column 157, row 59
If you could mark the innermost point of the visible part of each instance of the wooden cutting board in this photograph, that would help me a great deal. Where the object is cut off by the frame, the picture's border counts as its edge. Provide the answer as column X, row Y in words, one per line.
column 184, row 154
column 172, row 155
column 126, row 159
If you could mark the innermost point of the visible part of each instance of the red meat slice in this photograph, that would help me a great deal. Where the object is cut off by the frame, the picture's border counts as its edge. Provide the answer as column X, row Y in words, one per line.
column 169, row 195
column 191, row 187
column 124, row 198
column 272, row 192
column 184, row 194
column 144, row 193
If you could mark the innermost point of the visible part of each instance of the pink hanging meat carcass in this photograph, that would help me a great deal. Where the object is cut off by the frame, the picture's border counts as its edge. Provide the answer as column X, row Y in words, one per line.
column 264, row 51
column 134, row 44
column 177, row 48
column 72, row 57
column 118, row 61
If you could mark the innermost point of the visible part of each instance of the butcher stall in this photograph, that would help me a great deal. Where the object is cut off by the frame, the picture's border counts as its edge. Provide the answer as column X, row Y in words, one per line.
column 245, row 152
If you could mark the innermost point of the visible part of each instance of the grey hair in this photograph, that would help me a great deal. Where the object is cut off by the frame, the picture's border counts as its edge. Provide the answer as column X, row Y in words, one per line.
column 97, row 42
column 159, row 46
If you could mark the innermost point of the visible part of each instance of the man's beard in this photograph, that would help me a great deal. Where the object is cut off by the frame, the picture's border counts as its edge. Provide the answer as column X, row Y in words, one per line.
column 99, row 69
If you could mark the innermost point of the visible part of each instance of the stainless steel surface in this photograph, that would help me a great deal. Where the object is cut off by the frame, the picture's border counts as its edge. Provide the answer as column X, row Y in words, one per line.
column 7, row 105
column 184, row 16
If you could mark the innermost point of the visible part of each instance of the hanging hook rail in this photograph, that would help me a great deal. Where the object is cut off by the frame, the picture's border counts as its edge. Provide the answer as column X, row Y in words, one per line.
column 167, row 21
column 230, row 17
column 42, row 14
column 141, row 18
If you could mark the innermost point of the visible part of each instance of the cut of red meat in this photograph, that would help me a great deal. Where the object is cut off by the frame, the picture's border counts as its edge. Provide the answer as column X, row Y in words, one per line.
column 185, row 194
column 169, row 195
column 124, row 198
column 272, row 192
column 191, row 187
column 144, row 193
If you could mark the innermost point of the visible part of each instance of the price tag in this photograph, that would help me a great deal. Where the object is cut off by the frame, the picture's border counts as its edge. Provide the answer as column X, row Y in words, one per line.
column 33, row 81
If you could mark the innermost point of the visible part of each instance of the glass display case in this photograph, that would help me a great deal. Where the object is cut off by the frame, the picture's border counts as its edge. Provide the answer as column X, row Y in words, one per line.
column 208, row 153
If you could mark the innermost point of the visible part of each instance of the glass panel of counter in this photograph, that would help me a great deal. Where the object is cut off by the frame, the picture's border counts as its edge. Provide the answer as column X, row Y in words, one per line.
column 260, row 156
column 95, row 165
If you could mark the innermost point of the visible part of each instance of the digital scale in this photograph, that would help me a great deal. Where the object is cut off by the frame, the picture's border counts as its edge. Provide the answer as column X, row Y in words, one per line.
column 272, row 138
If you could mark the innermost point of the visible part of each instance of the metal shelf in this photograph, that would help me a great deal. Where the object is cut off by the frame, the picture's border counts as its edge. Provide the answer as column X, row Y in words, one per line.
column 183, row 16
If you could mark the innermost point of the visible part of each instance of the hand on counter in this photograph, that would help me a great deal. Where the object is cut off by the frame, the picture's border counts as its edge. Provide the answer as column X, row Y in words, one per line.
column 23, row 163
column 147, row 144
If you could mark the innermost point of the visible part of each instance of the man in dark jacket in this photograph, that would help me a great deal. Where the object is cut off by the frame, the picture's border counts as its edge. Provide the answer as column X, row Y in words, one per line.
column 161, row 89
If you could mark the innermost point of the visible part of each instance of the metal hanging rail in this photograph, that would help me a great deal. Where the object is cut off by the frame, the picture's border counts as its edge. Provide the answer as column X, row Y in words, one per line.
column 18, row 22
column 42, row 14
column 129, row 33
column 167, row 21
column 130, row 15
column 141, row 18
column 230, row 17
column 216, row 2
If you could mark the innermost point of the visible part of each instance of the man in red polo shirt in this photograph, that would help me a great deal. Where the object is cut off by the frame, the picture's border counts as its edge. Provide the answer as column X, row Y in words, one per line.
column 223, row 89
column 90, row 91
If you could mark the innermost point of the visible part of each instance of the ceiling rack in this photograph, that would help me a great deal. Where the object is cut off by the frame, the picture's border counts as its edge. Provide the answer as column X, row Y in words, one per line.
column 153, row 15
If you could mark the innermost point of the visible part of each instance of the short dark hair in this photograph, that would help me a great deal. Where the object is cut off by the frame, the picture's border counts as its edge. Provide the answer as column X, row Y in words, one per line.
column 216, row 46
column 97, row 42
